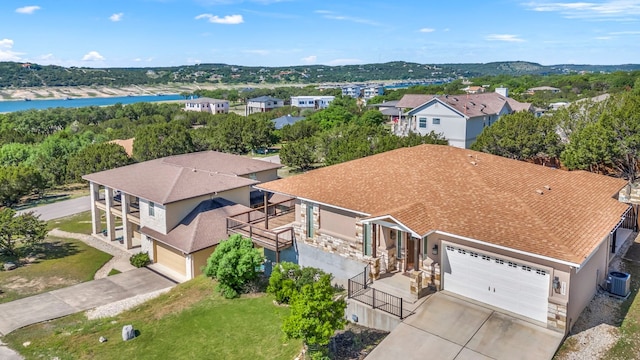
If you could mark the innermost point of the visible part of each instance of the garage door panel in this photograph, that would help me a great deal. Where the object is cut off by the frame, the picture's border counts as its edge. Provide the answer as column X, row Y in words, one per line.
column 170, row 258
column 508, row 285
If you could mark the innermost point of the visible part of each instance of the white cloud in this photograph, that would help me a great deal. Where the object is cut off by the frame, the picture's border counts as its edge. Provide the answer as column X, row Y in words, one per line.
column 503, row 37
column 625, row 33
column 92, row 56
column 427, row 30
column 28, row 9
column 6, row 52
column 603, row 38
column 311, row 59
column 116, row 17
column 345, row 62
column 333, row 16
column 227, row 20
column 603, row 10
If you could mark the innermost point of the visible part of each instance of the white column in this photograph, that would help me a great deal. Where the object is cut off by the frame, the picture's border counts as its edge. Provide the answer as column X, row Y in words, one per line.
column 94, row 191
column 127, row 228
column 189, row 264
column 111, row 223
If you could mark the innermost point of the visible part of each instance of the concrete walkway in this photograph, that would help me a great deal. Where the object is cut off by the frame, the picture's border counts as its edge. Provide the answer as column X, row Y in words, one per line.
column 448, row 327
column 77, row 298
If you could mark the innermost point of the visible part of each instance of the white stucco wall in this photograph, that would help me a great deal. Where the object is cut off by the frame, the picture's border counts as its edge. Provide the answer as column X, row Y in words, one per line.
column 452, row 126
column 158, row 221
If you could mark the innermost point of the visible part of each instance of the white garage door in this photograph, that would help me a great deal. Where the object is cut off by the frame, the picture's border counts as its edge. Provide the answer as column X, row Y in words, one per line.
column 509, row 285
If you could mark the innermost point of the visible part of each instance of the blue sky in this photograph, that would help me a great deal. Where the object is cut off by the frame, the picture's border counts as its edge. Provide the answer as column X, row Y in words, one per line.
column 141, row 33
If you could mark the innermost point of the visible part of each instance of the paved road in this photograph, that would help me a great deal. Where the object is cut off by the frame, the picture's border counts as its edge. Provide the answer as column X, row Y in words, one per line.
column 77, row 298
column 62, row 208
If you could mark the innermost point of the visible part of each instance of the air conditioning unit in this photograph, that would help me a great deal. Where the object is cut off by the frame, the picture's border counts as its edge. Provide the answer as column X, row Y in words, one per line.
column 619, row 283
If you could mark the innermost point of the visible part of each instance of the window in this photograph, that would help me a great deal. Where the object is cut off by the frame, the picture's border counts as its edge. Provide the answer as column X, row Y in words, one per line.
column 399, row 248
column 422, row 122
column 152, row 208
column 435, row 121
column 366, row 239
column 309, row 220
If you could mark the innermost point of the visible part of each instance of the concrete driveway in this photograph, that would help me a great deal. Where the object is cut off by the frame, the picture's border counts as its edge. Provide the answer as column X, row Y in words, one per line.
column 81, row 297
column 447, row 327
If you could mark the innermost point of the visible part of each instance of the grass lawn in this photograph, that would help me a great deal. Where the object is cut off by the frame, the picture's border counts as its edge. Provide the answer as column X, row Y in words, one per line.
column 190, row 322
column 79, row 223
column 64, row 262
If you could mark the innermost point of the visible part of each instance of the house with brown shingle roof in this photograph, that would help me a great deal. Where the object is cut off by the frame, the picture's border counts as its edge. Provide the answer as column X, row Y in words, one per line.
column 176, row 208
column 459, row 118
column 531, row 240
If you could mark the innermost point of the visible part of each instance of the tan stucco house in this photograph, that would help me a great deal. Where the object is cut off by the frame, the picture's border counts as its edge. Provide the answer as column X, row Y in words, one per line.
column 176, row 208
column 531, row 240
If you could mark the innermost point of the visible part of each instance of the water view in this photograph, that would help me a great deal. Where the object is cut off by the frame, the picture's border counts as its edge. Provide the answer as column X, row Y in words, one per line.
column 18, row 105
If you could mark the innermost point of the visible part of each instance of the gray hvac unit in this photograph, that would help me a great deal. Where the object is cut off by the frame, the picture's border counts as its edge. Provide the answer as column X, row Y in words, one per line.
column 619, row 283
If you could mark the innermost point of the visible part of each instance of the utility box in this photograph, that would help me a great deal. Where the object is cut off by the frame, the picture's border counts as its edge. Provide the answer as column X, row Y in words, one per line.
column 619, row 283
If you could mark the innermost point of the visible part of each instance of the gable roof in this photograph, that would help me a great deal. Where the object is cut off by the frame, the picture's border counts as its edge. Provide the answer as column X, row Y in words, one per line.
column 471, row 105
column 286, row 120
column 180, row 177
column 205, row 226
column 264, row 99
column 438, row 188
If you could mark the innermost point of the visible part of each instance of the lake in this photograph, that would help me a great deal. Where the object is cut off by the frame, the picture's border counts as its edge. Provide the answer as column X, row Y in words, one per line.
column 18, row 105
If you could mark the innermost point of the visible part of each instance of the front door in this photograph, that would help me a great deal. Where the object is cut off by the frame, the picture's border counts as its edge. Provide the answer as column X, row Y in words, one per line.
column 410, row 251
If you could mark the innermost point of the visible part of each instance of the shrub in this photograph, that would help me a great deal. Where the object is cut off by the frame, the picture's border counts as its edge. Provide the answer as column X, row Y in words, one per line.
column 140, row 259
column 234, row 263
column 288, row 278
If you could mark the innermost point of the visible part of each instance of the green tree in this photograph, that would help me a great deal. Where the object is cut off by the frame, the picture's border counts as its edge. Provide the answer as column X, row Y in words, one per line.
column 299, row 154
column 257, row 132
column 316, row 313
column 18, row 181
column 96, row 157
column 521, row 136
column 160, row 140
column 288, row 278
column 234, row 263
column 19, row 233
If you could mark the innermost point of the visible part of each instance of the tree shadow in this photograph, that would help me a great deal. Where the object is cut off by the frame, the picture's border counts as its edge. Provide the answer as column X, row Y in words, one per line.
column 56, row 249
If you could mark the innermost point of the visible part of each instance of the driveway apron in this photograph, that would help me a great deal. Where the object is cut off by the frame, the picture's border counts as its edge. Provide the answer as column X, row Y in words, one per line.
column 80, row 297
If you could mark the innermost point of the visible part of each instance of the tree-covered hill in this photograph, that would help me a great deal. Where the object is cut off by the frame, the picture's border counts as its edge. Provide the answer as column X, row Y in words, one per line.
column 20, row 75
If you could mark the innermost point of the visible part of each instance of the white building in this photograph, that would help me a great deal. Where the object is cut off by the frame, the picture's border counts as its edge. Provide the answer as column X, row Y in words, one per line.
column 312, row 102
column 213, row 106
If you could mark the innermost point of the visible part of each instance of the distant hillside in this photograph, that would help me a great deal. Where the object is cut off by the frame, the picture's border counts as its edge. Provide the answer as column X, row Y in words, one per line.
column 19, row 75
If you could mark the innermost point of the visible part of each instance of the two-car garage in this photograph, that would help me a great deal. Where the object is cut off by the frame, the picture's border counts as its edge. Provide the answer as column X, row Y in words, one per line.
column 497, row 281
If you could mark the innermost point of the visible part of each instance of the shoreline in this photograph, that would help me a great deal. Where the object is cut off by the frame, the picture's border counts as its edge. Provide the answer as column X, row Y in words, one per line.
column 85, row 97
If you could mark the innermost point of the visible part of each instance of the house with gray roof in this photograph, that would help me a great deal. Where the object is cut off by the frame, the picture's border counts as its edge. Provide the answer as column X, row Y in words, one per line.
column 262, row 104
column 176, row 208
column 282, row 121
column 459, row 118
column 213, row 106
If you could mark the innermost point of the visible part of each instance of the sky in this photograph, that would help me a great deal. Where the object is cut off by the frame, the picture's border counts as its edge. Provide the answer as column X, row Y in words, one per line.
column 152, row 33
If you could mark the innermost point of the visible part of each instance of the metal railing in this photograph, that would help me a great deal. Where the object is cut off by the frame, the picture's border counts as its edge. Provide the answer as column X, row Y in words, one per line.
column 359, row 290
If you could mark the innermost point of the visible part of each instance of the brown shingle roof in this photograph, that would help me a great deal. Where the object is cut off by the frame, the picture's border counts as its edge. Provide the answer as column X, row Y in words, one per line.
column 127, row 144
column 470, row 105
column 180, row 177
column 437, row 187
column 205, row 226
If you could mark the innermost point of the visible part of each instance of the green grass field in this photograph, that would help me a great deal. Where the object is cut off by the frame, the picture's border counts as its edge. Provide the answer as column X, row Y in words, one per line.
column 190, row 322
column 64, row 262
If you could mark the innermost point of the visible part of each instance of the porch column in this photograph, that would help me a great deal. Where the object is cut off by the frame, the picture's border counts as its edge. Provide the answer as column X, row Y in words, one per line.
column 416, row 252
column 127, row 228
column 94, row 191
column 111, row 223
column 374, row 240
column 266, row 210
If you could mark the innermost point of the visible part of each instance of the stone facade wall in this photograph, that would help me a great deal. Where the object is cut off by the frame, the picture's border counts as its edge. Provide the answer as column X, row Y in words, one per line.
column 431, row 274
column 557, row 317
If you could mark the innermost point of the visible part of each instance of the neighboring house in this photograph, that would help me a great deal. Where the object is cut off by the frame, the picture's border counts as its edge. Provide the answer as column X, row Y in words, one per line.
column 550, row 89
column 459, row 118
column 213, row 106
column 176, row 208
column 354, row 91
column 474, row 89
column 371, row 91
column 528, row 239
column 262, row 104
column 127, row 144
column 389, row 109
column 312, row 102
column 286, row 120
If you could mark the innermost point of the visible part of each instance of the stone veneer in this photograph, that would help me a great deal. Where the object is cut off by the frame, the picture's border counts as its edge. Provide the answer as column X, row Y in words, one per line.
column 557, row 317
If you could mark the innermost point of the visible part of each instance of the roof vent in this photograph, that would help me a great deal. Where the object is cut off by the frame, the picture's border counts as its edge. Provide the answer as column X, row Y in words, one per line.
column 547, row 187
column 540, row 192
column 474, row 163
column 194, row 170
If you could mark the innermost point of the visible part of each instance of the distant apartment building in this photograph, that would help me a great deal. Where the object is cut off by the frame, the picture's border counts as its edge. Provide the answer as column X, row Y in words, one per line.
column 262, row 104
column 213, row 106
column 353, row 91
column 372, row 91
column 312, row 102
